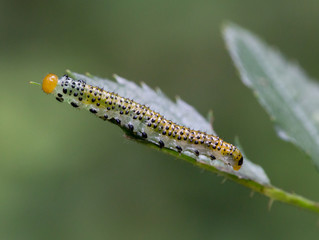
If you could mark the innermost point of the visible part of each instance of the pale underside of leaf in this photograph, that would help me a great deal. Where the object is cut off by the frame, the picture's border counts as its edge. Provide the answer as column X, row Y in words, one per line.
column 289, row 96
column 179, row 112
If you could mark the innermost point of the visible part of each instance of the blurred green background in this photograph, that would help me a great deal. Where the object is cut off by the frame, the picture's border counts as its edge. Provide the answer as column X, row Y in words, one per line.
column 67, row 175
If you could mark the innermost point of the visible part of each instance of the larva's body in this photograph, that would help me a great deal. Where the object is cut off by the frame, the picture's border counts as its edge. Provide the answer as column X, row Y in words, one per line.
column 140, row 120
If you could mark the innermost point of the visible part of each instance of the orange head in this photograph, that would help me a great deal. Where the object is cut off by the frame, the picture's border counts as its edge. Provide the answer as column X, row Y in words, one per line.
column 49, row 83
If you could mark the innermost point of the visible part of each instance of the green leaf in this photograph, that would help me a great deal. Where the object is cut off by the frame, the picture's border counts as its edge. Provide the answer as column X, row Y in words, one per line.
column 289, row 96
column 250, row 175
column 179, row 112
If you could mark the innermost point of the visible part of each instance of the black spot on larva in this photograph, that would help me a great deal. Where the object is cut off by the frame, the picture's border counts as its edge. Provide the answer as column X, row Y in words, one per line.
column 181, row 133
column 214, row 146
column 130, row 127
column 126, row 112
column 179, row 138
column 144, row 134
column 113, row 107
column 106, row 116
column 240, row 162
column 140, row 118
column 108, row 108
column 121, row 112
column 164, row 132
column 92, row 110
column 149, row 124
column 185, row 138
column 98, row 104
column 196, row 152
column 155, row 126
column 93, row 99
column 65, row 91
column 118, row 121
column 73, row 104
column 135, row 117
column 179, row 149
column 161, row 144
column 75, row 94
column 60, row 95
column 169, row 133
column 59, row 99
column 123, row 107
column 80, row 99
column 138, row 112
column 167, row 127
column 196, row 142
column 153, row 120
column 110, row 102
column 218, row 148
column 212, row 157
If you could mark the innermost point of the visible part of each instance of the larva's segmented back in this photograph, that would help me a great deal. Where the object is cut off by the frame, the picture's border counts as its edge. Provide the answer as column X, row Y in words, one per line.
column 140, row 120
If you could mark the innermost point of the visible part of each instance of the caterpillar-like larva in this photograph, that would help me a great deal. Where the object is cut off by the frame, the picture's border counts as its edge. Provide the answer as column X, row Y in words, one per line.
column 140, row 120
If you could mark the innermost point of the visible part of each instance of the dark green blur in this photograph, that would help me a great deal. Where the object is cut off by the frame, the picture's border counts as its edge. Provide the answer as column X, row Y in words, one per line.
column 65, row 174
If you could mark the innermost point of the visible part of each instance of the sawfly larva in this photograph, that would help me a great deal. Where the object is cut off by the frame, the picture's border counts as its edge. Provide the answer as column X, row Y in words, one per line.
column 140, row 120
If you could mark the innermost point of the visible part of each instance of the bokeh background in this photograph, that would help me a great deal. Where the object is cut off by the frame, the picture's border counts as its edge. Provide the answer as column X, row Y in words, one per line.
column 67, row 175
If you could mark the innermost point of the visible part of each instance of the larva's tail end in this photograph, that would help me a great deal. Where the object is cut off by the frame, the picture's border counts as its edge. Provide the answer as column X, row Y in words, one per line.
column 238, row 163
column 49, row 83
